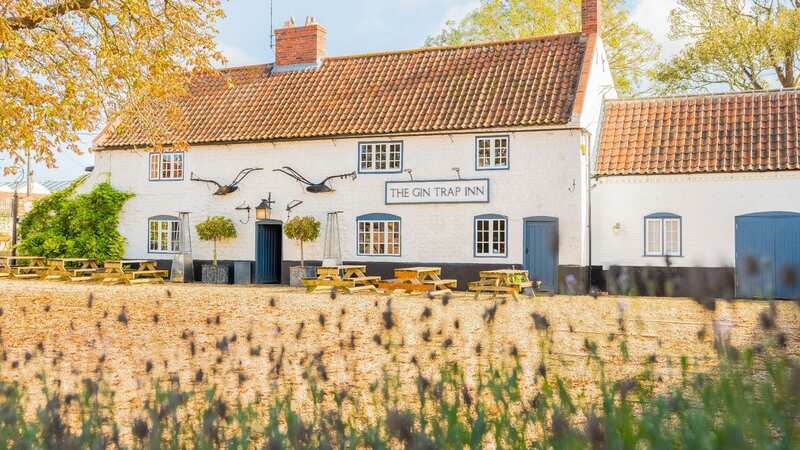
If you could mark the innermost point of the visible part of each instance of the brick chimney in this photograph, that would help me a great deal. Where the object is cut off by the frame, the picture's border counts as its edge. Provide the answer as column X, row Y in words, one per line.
column 300, row 46
column 590, row 17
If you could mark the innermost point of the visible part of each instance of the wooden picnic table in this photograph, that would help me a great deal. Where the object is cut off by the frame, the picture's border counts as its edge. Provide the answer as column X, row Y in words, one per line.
column 9, row 266
column 352, row 278
column 503, row 281
column 131, row 271
column 73, row 269
column 419, row 279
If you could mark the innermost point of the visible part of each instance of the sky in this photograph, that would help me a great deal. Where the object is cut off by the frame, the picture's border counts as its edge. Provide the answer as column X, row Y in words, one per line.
column 354, row 26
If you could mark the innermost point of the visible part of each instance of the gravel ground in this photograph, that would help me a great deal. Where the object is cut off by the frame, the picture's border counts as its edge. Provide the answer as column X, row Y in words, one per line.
column 251, row 340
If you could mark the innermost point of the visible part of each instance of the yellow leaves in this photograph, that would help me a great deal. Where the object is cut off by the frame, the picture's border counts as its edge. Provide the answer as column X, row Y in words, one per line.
column 85, row 62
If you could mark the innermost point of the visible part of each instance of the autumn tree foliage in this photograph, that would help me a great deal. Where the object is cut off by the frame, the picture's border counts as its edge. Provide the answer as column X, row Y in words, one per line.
column 68, row 66
column 737, row 44
column 630, row 48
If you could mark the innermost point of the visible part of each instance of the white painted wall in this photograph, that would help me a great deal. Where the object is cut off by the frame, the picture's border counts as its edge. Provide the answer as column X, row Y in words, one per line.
column 544, row 166
column 708, row 205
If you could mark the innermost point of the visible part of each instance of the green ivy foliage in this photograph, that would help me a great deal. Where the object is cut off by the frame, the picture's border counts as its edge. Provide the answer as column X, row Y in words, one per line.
column 70, row 225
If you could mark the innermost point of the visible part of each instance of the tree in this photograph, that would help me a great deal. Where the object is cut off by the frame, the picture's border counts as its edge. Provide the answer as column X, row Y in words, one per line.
column 741, row 44
column 630, row 48
column 215, row 229
column 66, row 225
column 68, row 66
column 303, row 229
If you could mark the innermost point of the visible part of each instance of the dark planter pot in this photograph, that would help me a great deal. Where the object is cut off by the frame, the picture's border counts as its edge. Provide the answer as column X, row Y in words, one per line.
column 297, row 273
column 215, row 274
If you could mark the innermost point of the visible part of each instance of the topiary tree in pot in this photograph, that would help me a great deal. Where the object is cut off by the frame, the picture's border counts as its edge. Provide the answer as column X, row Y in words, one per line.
column 302, row 229
column 215, row 229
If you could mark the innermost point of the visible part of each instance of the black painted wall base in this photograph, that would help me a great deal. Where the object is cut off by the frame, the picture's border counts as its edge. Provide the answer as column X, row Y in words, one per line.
column 573, row 280
column 696, row 282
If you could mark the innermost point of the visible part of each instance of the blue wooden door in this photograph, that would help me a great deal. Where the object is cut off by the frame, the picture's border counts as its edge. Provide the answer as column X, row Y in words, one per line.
column 268, row 253
column 768, row 255
column 541, row 251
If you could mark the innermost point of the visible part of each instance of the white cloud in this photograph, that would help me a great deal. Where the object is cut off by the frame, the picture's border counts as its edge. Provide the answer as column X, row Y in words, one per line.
column 237, row 56
column 653, row 16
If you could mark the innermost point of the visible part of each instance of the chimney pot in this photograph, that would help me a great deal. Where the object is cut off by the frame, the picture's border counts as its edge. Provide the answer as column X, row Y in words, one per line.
column 300, row 46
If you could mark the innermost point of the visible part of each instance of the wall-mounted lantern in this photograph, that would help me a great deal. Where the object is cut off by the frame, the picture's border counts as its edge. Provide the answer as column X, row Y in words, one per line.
column 264, row 209
column 616, row 228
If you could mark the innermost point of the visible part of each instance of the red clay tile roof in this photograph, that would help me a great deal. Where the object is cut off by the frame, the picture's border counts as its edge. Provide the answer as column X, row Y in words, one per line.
column 529, row 82
column 741, row 132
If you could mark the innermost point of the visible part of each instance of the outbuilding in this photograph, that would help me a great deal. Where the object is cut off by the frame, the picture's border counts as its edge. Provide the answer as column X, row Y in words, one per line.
column 700, row 195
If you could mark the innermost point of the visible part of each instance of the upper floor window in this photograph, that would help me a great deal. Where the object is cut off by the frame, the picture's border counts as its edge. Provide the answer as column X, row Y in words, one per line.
column 164, row 234
column 376, row 157
column 378, row 235
column 166, row 166
column 662, row 235
column 492, row 152
column 490, row 235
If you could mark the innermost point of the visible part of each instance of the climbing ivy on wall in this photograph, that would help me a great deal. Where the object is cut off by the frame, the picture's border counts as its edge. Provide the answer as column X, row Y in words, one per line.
column 70, row 225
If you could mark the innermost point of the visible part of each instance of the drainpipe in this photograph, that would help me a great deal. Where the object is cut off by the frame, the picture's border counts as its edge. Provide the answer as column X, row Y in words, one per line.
column 14, row 216
column 589, row 209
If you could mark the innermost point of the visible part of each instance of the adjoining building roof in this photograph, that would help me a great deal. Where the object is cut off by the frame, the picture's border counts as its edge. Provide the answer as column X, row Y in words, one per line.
column 528, row 82
column 734, row 132
column 39, row 187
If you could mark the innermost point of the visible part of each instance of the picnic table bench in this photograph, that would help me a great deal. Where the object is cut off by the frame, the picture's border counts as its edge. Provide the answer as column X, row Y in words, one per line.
column 505, row 281
column 10, row 266
column 348, row 277
column 72, row 269
column 131, row 271
column 419, row 279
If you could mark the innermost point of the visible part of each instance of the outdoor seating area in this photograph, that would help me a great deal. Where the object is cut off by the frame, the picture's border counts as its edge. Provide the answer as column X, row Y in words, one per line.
column 350, row 279
column 425, row 280
column 81, row 270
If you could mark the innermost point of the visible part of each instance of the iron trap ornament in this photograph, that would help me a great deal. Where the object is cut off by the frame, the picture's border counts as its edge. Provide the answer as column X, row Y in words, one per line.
column 230, row 188
column 314, row 188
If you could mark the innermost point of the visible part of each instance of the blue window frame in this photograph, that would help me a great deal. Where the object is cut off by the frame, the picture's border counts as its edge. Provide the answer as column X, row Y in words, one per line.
column 163, row 234
column 492, row 152
column 380, row 157
column 164, row 166
column 663, row 235
column 490, row 236
column 378, row 235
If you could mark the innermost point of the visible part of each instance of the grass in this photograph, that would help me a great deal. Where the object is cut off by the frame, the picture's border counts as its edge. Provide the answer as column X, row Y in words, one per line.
column 255, row 368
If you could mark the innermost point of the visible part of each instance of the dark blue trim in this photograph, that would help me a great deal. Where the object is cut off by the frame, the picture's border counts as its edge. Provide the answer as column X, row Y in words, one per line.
column 161, row 218
column 380, row 217
column 508, row 154
column 662, row 216
column 379, row 172
column 525, row 222
column 386, row 191
column 475, row 235
column 165, row 180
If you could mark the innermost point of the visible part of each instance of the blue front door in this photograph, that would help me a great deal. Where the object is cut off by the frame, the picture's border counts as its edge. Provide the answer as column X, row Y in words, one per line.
column 768, row 255
column 541, row 251
column 268, row 253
